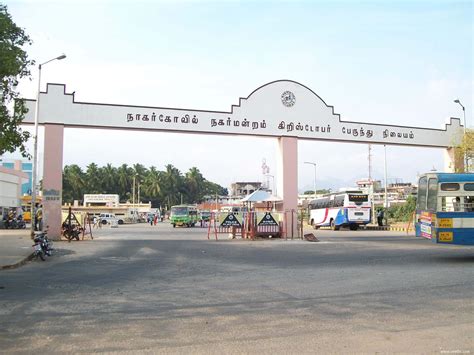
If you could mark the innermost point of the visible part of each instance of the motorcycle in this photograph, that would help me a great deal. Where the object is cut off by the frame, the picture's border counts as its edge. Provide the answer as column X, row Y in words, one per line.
column 43, row 246
column 18, row 223
column 21, row 224
column 15, row 223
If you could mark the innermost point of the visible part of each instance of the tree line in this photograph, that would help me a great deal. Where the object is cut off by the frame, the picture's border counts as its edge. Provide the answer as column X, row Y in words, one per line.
column 162, row 188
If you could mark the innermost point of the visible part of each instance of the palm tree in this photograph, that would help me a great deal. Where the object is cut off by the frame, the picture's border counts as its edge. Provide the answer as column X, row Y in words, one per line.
column 159, row 187
column 73, row 183
column 172, row 184
column 152, row 184
column 124, row 181
column 109, row 178
column 93, row 179
column 194, row 184
column 139, row 171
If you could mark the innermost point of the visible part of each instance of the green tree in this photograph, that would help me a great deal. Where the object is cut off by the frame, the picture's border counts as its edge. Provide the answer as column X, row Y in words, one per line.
column 14, row 65
column 172, row 186
column 73, row 183
column 211, row 188
column 124, row 181
column 152, row 183
column 93, row 179
column 194, row 182
column 159, row 187
column 402, row 212
column 467, row 149
column 109, row 179
column 139, row 171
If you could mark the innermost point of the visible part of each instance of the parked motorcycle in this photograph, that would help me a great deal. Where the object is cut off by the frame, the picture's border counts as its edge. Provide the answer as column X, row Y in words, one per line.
column 43, row 246
column 14, row 223
column 20, row 222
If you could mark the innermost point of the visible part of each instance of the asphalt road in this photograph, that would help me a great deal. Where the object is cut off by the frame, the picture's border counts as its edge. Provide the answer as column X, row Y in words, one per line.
column 163, row 290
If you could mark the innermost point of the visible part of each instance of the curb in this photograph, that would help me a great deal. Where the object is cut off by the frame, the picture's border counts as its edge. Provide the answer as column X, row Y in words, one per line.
column 383, row 228
column 18, row 264
column 392, row 229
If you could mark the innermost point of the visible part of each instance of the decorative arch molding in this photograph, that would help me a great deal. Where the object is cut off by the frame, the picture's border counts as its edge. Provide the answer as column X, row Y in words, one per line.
column 282, row 108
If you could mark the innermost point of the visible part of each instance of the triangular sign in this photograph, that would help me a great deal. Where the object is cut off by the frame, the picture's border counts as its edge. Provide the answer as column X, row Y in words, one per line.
column 268, row 220
column 230, row 221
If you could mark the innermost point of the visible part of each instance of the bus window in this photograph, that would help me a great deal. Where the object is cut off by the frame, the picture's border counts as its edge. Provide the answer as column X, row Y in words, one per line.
column 469, row 186
column 339, row 201
column 469, row 203
column 358, row 199
column 450, row 186
column 451, row 204
column 432, row 194
column 422, row 190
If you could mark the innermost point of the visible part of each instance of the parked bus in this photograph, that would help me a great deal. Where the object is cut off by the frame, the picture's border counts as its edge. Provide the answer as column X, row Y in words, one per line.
column 445, row 208
column 184, row 215
column 340, row 209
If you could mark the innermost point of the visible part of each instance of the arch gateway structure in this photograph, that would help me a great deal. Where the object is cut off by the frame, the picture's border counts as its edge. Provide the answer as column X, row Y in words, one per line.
column 283, row 109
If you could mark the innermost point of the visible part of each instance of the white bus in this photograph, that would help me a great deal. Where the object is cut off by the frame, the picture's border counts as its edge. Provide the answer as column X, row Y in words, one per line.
column 340, row 209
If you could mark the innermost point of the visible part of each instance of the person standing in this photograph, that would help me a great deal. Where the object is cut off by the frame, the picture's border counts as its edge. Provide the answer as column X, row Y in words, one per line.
column 39, row 218
column 380, row 216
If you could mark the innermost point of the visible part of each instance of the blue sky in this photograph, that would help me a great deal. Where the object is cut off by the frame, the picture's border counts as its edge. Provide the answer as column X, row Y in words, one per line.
column 386, row 62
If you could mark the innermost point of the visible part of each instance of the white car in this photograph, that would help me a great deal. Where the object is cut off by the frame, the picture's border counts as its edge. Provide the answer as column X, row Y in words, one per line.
column 110, row 218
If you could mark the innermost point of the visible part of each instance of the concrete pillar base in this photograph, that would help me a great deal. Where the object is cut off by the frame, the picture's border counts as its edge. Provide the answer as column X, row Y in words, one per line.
column 53, row 179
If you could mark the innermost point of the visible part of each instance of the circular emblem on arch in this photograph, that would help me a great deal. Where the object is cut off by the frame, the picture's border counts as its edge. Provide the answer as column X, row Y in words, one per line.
column 288, row 98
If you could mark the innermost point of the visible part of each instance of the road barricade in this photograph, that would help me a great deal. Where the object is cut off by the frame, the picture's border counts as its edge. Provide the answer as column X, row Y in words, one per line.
column 250, row 225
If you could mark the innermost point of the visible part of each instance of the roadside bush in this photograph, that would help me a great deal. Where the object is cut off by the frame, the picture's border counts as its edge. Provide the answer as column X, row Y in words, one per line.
column 402, row 212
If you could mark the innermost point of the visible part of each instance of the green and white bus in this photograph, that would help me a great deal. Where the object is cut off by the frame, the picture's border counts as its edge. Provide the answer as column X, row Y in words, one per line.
column 184, row 215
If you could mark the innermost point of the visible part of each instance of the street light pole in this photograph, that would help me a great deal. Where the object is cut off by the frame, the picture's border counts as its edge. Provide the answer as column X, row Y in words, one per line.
column 385, row 169
column 464, row 135
column 314, row 182
column 138, row 195
column 35, row 146
column 133, row 199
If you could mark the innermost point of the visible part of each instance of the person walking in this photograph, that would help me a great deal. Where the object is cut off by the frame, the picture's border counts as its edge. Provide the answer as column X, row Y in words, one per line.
column 96, row 222
column 380, row 216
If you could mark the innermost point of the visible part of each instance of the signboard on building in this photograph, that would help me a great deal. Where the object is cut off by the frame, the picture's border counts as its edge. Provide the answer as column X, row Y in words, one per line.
column 108, row 200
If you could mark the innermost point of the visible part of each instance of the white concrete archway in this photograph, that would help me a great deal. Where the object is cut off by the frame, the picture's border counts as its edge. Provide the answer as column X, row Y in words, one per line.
column 283, row 109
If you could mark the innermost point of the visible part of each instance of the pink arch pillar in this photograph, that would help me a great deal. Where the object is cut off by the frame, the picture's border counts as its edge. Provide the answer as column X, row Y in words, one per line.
column 288, row 181
column 53, row 178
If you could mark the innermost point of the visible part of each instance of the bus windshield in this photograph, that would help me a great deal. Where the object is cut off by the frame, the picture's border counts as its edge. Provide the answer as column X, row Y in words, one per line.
column 358, row 199
column 179, row 211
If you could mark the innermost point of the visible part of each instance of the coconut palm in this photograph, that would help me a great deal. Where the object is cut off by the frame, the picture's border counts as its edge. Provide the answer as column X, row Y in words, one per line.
column 172, row 184
column 73, row 183
column 152, row 183
column 93, row 179
column 160, row 187
column 124, row 181
column 109, row 178
column 194, row 184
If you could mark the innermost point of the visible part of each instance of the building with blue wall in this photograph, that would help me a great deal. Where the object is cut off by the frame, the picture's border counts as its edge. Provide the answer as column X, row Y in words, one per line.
column 25, row 166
